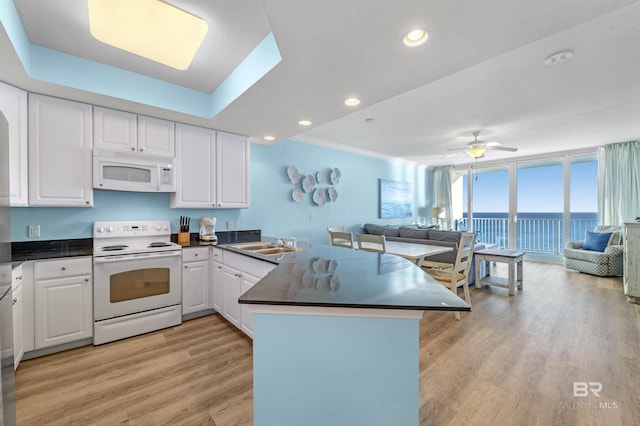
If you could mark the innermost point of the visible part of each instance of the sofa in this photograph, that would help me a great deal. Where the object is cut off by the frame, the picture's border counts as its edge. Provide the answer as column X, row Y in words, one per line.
column 434, row 237
column 604, row 261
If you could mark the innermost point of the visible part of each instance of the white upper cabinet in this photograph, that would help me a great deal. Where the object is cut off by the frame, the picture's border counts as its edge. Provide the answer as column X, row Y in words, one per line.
column 128, row 132
column 232, row 174
column 115, row 130
column 156, row 137
column 60, row 152
column 195, row 160
column 13, row 105
column 212, row 169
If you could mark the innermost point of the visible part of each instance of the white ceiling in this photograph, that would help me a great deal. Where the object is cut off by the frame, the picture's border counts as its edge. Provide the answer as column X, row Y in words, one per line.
column 481, row 69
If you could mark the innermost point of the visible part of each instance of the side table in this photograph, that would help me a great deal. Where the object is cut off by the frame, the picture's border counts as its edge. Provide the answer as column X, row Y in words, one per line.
column 515, row 261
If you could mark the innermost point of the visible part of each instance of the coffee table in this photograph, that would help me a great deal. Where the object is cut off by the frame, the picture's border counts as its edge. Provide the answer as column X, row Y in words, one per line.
column 515, row 260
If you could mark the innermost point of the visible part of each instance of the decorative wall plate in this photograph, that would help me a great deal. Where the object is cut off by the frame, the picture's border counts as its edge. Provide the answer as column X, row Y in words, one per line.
column 296, row 194
column 322, row 177
column 294, row 174
column 308, row 183
column 335, row 175
column 333, row 194
column 319, row 197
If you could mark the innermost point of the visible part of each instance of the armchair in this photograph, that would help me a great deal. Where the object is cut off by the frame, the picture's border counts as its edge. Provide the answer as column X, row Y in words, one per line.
column 606, row 263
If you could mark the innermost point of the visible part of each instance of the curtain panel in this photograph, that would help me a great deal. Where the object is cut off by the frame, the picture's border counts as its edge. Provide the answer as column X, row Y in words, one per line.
column 619, row 195
column 442, row 193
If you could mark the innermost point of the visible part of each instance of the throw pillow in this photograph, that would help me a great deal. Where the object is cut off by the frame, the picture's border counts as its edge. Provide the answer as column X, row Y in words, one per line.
column 596, row 241
column 616, row 239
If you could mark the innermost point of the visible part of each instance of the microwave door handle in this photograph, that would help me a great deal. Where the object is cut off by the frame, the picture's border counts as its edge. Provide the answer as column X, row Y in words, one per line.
column 141, row 256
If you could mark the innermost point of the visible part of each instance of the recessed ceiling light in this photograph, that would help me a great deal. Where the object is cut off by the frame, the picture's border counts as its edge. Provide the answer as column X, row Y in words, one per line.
column 269, row 138
column 352, row 101
column 559, row 57
column 415, row 38
column 304, row 123
column 149, row 28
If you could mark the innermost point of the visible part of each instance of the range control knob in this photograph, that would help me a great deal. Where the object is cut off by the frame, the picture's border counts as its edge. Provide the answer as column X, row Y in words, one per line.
column 100, row 229
column 110, row 229
column 158, row 227
column 165, row 228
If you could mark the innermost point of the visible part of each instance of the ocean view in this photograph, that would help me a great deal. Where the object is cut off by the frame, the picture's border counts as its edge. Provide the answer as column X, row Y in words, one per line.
column 537, row 232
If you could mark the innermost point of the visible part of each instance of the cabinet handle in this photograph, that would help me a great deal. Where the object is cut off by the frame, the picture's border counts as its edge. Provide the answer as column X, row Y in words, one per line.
column 14, row 301
column 133, row 149
column 185, row 266
column 140, row 149
column 19, row 278
column 86, row 280
column 63, row 268
column 86, row 202
column 196, row 255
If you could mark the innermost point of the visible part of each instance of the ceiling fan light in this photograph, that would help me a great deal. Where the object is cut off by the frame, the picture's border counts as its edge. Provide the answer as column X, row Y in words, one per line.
column 152, row 29
column 476, row 151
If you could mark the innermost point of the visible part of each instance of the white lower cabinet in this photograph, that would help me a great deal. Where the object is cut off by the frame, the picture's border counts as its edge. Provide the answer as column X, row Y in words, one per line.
column 18, row 315
column 63, row 301
column 195, row 280
column 239, row 274
column 246, row 317
column 216, row 290
column 231, row 286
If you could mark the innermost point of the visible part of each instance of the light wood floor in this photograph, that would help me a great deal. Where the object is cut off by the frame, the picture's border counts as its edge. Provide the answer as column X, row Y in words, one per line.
column 512, row 361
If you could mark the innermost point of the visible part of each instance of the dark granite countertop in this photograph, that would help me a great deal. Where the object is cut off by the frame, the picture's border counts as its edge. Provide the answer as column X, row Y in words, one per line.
column 224, row 238
column 50, row 249
column 326, row 276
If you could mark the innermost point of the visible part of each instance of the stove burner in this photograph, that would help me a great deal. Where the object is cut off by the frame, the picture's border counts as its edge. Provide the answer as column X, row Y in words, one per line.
column 114, row 248
column 159, row 244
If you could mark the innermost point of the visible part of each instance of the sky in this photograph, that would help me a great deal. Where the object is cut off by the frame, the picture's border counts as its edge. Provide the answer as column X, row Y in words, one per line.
column 540, row 189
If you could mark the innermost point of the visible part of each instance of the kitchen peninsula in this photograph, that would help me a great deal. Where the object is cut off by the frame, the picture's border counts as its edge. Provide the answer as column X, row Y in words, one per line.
column 336, row 337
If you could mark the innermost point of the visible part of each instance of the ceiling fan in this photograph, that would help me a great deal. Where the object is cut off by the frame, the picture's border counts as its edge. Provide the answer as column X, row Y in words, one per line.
column 477, row 148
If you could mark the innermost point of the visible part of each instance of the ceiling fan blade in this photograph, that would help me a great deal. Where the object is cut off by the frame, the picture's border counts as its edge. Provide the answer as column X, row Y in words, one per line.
column 454, row 154
column 503, row 148
column 456, row 149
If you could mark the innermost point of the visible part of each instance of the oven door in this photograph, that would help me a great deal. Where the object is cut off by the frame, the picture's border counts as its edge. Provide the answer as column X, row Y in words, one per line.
column 133, row 283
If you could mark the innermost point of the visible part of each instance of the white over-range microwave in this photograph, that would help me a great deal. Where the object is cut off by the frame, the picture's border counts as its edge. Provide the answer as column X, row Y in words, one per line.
column 125, row 171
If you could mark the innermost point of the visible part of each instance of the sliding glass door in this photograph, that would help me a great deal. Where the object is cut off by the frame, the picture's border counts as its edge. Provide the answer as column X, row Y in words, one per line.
column 535, row 206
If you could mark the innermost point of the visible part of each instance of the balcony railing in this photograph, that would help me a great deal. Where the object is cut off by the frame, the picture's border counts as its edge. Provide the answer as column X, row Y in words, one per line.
column 535, row 235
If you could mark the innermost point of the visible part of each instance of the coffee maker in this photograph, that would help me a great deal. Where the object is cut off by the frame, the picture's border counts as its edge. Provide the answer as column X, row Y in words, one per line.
column 208, row 230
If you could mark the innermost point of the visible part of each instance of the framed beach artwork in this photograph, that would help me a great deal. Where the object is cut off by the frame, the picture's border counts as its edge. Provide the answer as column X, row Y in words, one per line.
column 396, row 199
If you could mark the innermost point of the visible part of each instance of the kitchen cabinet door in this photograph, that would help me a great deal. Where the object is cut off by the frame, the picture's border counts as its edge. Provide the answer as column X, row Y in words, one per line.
column 232, row 172
column 13, row 105
column 115, row 130
column 18, row 316
column 195, row 167
column 246, row 317
column 156, row 136
column 60, row 153
column 195, row 287
column 231, row 281
column 63, row 310
column 217, row 287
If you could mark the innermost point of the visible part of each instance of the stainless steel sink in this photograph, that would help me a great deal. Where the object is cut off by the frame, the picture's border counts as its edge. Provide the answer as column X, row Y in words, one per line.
column 274, row 251
column 253, row 246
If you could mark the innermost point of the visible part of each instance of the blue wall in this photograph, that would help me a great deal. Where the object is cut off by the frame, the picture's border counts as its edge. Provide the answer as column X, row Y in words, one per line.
column 272, row 208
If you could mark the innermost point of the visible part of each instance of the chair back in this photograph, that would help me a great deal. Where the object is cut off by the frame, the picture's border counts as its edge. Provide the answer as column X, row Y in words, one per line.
column 370, row 242
column 458, row 274
column 340, row 239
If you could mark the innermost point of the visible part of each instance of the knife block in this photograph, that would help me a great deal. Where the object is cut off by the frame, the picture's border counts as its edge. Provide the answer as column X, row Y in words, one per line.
column 184, row 239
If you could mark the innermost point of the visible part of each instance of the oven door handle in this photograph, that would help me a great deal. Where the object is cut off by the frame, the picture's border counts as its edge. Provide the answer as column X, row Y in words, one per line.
column 137, row 256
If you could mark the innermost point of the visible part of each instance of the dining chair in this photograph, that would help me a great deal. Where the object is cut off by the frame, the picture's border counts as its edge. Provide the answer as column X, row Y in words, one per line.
column 340, row 239
column 331, row 229
column 457, row 275
column 370, row 242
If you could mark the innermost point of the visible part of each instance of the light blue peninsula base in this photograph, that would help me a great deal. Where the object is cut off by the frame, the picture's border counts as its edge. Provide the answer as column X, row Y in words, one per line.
column 335, row 366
